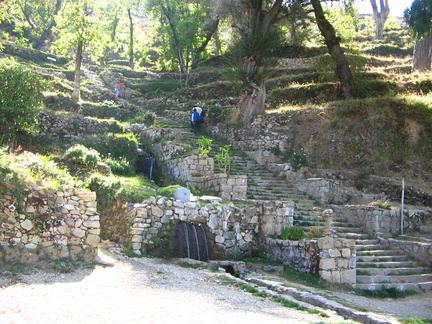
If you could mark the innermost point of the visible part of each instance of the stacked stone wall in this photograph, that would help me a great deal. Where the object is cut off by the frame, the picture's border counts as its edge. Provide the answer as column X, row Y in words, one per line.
column 375, row 221
column 230, row 228
column 193, row 169
column 51, row 125
column 418, row 249
column 59, row 223
column 333, row 259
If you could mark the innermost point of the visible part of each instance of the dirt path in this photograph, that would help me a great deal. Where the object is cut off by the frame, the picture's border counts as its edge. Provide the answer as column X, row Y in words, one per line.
column 144, row 291
column 156, row 291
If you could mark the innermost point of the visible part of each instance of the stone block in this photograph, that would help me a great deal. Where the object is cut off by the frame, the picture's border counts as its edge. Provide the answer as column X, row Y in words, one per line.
column 326, row 243
column 326, row 275
column 348, row 277
column 327, row 264
column 346, row 253
column 93, row 240
column 27, row 225
column 156, row 211
column 334, row 253
column 220, row 239
column 77, row 232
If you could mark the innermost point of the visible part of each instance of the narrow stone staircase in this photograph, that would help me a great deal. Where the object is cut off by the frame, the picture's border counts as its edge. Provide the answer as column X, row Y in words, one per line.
column 379, row 267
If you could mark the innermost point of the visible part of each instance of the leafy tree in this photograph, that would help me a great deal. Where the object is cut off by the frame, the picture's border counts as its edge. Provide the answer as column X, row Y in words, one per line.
column 78, row 25
column 419, row 19
column 34, row 19
column 20, row 96
column 186, row 28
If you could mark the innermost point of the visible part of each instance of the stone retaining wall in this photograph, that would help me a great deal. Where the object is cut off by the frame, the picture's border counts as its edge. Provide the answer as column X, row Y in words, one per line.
column 420, row 250
column 333, row 259
column 73, row 126
column 376, row 222
column 56, row 223
column 193, row 169
column 230, row 228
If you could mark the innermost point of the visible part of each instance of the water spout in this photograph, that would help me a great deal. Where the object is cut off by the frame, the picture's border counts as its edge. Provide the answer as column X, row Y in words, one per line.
column 186, row 234
column 197, row 242
column 205, row 243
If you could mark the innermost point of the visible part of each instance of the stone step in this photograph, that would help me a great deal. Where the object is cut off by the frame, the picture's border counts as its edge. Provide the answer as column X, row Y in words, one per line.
column 389, row 264
column 355, row 236
column 393, row 271
column 417, row 287
column 368, row 247
column 382, row 258
column 378, row 252
column 368, row 242
column 415, row 278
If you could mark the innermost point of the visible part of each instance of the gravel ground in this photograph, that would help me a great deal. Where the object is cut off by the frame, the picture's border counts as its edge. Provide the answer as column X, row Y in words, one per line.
column 140, row 291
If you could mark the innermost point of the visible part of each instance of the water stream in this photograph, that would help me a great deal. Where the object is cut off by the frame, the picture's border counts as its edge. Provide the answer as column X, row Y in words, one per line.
column 190, row 241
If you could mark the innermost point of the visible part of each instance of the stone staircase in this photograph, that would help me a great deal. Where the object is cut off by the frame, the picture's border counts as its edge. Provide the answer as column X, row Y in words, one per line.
column 379, row 267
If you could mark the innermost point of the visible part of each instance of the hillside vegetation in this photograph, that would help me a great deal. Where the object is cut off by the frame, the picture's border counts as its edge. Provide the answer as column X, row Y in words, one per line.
column 385, row 131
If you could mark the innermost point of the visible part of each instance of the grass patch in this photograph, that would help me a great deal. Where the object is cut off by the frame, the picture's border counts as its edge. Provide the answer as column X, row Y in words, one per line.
column 291, row 304
column 413, row 320
column 392, row 293
column 186, row 265
column 313, row 281
column 66, row 265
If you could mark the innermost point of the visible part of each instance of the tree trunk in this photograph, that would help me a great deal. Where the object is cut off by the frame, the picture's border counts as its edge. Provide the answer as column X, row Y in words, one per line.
column 131, row 38
column 77, row 75
column 183, row 66
column 343, row 71
column 48, row 31
column 422, row 54
column 380, row 17
column 212, row 30
column 252, row 104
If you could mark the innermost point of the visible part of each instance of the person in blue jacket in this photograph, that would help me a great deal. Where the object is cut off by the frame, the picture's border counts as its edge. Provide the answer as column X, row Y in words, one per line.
column 194, row 121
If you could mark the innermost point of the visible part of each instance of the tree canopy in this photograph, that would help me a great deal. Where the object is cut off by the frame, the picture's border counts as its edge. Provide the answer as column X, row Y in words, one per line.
column 20, row 96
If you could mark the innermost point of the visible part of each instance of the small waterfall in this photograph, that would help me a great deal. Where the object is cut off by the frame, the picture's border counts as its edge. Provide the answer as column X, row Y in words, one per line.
column 152, row 163
column 205, row 242
column 190, row 242
column 197, row 242
column 186, row 235
column 146, row 165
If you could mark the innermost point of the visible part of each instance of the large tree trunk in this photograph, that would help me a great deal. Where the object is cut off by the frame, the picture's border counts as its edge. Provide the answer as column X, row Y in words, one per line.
column 343, row 71
column 252, row 104
column 131, row 38
column 422, row 54
column 380, row 17
column 253, row 100
column 77, row 75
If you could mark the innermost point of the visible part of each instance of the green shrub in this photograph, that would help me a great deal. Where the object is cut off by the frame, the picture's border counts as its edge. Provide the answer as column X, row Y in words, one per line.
column 116, row 146
column 120, row 167
column 20, row 96
column 217, row 114
column 110, row 189
column 204, row 146
column 298, row 160
column 148, row 118
column 168, row 192
column 293, row 233
column 84, row 156
column 158, row 86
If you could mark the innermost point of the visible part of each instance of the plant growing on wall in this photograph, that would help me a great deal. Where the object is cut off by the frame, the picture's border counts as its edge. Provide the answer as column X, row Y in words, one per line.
column 223, row 160
column 293, row 233
column 204, row 146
